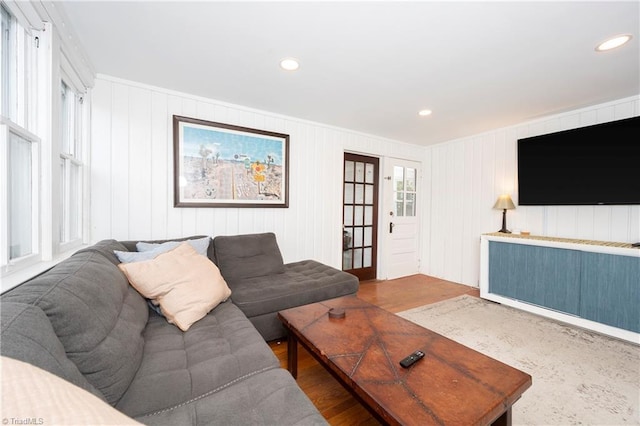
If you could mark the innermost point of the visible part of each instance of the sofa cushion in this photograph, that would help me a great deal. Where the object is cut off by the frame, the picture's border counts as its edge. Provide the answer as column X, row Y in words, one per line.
column 27, row 335
column 95, row 313
column 301, row 283
column 266, row 398
column 248, row 256
column 186, row 285
column 36, row 394
column 214, row 352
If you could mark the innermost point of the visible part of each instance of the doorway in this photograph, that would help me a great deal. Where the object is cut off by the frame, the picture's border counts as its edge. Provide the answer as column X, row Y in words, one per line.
column 360, row 216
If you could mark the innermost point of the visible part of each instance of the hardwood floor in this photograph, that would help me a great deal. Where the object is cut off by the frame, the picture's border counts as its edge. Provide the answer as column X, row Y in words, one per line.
column 334, row 402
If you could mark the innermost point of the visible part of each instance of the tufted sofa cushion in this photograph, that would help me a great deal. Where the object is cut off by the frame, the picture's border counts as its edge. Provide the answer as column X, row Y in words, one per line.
column 96, row 315
column 247, row 256
column 269, row 398
column 212, row 354
column 301, row 283
column 27, row 335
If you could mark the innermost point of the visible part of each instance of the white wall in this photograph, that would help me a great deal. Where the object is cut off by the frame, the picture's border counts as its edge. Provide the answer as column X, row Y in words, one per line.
column 132, row 181
column 468, row 175
column 132, row 172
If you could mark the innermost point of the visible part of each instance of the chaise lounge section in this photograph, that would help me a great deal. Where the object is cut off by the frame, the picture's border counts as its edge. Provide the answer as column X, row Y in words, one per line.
column 262, row 284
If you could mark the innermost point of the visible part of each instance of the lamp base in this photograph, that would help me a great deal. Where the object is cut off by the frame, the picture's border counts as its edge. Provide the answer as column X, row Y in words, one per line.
column 504, row 229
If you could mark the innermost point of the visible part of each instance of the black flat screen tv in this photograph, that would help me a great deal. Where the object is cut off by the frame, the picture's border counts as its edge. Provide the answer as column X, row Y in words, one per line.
column 591, row 165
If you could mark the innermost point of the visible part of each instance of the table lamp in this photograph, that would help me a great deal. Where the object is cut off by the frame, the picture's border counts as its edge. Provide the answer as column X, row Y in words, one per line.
column 504, row 203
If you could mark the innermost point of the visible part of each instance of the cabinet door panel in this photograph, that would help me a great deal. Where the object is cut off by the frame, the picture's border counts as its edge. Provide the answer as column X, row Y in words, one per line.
column 611, row 290
column 543, row 276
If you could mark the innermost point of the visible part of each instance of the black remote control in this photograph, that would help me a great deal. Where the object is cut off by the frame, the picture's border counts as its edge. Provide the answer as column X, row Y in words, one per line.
column 412, row 359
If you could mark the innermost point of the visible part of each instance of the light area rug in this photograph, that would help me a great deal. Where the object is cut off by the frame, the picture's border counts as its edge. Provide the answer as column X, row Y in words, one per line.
column 579, row 377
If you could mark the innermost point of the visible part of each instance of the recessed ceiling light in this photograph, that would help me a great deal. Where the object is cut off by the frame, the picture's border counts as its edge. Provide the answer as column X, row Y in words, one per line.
column 289, row 64
column 613, row 42
column 424, row 112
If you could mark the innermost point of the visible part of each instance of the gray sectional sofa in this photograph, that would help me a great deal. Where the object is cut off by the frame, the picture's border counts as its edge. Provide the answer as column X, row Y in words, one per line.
column 82, row 321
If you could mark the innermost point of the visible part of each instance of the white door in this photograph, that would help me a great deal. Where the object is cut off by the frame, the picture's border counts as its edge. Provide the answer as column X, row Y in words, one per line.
column 400, row 216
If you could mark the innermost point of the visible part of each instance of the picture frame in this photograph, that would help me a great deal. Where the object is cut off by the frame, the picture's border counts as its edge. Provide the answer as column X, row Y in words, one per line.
column 223, row 165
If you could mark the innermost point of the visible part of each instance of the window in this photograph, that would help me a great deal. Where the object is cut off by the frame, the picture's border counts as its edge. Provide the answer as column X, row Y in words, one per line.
column 71, row 165
column 404, row 191
column 18, row 68
column 20, row 194
column 43, row 140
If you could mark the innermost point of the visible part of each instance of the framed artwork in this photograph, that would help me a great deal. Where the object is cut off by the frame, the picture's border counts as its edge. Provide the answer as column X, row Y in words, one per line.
column 221, row 165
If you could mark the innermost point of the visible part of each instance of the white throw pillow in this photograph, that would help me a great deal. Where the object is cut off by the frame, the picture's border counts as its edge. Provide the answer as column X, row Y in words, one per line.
column 186, row 285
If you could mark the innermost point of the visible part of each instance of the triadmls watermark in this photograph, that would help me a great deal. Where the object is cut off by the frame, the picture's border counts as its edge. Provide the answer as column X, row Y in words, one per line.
column 22, row 421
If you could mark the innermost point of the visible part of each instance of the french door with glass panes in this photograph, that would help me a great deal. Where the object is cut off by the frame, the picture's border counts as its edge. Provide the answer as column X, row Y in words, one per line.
column 360, row 215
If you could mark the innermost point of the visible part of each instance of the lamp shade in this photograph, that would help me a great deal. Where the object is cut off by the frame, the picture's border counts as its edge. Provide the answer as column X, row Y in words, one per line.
column 504, row 202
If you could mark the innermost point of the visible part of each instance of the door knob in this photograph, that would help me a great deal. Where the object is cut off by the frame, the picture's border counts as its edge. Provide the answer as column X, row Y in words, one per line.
column 391, row 225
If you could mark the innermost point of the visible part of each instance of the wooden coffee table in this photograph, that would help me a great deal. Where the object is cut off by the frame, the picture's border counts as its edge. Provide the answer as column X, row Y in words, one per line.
column 451, row 385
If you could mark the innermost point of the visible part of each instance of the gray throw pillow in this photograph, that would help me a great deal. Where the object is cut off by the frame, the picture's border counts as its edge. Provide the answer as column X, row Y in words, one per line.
column 201, row 245
column 149, row 251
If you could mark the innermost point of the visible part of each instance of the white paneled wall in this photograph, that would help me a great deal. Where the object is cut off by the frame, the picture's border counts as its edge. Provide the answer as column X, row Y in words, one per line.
column 132, row 172
column 132, row 181
column 467, row 176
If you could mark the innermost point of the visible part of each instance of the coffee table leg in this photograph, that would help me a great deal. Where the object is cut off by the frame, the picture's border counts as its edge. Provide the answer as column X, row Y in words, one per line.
column 292, row 355
column 504, row 419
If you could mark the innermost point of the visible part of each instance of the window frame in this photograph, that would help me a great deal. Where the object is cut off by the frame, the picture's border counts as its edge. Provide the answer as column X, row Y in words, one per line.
column 7, row 263
column 71, row 154
column 404, row 192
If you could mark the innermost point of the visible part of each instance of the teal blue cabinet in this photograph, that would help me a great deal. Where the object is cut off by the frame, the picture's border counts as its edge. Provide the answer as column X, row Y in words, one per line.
column 610, row 291
column 604, row 288
column 544, row 276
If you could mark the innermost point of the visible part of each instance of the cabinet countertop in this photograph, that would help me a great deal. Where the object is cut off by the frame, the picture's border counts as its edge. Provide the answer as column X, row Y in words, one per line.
column 569, row 243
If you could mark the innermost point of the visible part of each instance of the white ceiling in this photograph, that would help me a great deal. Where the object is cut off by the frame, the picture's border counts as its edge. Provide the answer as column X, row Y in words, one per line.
column 370, row 66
